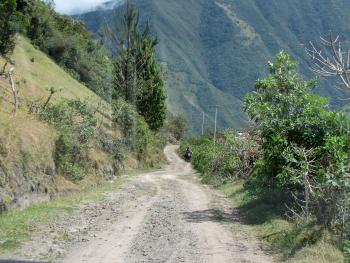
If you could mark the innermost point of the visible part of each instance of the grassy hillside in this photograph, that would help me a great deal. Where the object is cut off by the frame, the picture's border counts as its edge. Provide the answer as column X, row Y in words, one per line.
column 35, row 73
column 214, row 50
column 27, row 146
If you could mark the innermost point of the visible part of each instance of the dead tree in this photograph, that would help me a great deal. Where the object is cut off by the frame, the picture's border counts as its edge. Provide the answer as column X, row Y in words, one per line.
column 13, row 87
column 332, row 59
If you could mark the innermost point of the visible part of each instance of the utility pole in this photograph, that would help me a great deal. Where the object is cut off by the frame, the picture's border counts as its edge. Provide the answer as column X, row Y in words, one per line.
column 203, row 124
column 216, row 117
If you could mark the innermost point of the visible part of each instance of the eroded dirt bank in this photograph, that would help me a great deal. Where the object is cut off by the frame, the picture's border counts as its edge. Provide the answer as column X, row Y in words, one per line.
column 163, row 216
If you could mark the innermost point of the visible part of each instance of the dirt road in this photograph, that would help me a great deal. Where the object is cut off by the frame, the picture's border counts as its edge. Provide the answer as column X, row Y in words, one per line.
column 163, row 216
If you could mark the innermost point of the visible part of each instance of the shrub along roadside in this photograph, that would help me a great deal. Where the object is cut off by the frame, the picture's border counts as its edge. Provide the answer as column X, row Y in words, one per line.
column 76, row 124
column 78, row 132
column 231, row 158
column 295, row 240
column 174, row 128
column 146, row 144
column 305, row 147
column 302, row 172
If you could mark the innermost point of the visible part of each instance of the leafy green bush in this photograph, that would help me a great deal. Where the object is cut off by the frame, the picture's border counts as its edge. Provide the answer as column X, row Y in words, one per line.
column 138, row 136
column 174, row 127
column 114, row 147
column 203, row 152
column 125, row 115
column 233, row 156
column 66, row 154
column 76, row 124
column 305, row 145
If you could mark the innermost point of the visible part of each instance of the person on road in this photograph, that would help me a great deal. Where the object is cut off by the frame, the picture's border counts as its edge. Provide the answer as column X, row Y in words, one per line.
column 188, row 154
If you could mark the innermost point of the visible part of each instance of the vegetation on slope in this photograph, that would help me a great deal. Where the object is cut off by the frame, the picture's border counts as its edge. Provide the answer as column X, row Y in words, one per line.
column 63, row 135
column 68, row 42
column 28, row 170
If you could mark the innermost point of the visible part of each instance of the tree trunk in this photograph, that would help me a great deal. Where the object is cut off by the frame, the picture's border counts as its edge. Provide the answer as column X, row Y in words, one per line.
column 4, row 68
column 14, row 92
column 307, row 194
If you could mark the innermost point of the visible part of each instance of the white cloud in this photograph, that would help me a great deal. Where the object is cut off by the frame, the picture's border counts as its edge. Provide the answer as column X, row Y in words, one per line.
column 70, row 7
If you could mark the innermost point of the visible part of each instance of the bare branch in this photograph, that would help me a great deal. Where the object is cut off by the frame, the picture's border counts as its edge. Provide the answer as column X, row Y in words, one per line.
column 336, row 63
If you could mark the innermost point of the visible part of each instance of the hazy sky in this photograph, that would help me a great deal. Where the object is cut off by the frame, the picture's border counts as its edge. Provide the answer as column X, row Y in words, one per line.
column 76, row 6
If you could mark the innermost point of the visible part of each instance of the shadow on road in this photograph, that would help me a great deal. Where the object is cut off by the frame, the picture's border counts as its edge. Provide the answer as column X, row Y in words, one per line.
column 214, row 215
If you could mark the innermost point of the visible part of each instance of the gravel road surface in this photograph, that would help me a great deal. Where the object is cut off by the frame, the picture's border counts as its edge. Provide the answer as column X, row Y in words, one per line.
column 162, row 216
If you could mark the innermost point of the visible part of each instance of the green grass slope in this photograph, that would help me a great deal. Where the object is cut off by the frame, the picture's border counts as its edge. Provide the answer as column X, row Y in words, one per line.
column 27, row 146
column 35, row 73
column 214, row 50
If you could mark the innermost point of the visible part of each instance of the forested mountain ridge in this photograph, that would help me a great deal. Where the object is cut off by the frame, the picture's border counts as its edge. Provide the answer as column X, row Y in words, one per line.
column 214, row 50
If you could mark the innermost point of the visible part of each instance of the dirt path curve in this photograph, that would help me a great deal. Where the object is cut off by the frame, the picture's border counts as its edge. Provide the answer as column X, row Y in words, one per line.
column 162, row 216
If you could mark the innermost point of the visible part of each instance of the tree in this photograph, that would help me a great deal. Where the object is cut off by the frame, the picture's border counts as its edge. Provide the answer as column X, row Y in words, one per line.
column 304, row 143
column 150, row 99
column 278, row 106
column 122, row 40
column 8, row 17
column 138, row 77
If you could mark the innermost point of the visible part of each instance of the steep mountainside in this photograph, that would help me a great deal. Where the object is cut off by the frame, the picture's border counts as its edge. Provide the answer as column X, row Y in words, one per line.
column 214, row 50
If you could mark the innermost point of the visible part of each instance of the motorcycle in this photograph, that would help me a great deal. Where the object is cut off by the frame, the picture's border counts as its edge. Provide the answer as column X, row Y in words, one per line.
column 188, row 156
